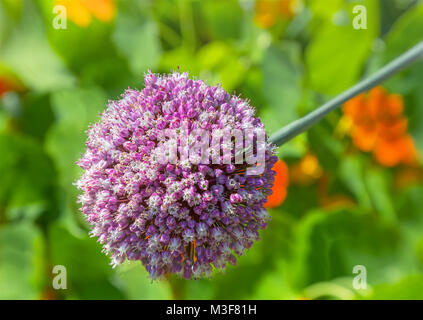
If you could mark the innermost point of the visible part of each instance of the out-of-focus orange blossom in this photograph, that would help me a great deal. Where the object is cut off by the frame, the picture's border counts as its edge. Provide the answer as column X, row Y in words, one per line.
column 377, row 125
column 6, row 85
column 408, row 176
column 82, row 11
column 306, row 171
column 280, row 186
column 49, row 294
column 268, row 12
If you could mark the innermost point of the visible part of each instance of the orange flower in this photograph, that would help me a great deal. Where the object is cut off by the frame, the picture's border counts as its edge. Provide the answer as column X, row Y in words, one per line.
column 306, row 171
column 7, row 85
column 267, row 12
column 81, row 11
column 378, row 126
column 280, row 185
column 408, row 176
column 399, row 150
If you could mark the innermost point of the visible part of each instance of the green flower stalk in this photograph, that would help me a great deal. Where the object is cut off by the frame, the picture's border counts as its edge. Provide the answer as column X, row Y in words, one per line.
column 301, row 125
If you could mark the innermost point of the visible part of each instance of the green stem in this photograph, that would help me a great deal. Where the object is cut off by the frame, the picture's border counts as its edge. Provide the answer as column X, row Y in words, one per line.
column 299, row 126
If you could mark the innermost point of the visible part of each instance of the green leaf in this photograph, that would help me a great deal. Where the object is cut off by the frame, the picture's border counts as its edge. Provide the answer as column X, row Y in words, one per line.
column 351, row 173
column 90, row 52
column 74, row 110
column 202, row 289
column 13, row 7
column 28, row 53
column 4, row 119
column 179, row 58
column 328, row 246
column 220, row 63
column 263, row 257
column 10, row 12
column 65, row 141
column 295, row 204
column 138, row 42
column 282, row 75
column 415, row 121
column 79, row 46
column 36, row 115
column 21, row 267
column 409, row 288
column 137, row 284
column 88, row 271
column 377, row 183
column 337, row 52
column 411, row 24
column 28, row 212
column 323, row 144
column 26, row 171
column 337, row 289
column 223, row 18
column 275, row 285
column 325, row 10
column 409, row 204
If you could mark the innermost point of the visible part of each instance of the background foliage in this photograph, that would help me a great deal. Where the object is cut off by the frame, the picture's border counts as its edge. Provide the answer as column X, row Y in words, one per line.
column 343, row 208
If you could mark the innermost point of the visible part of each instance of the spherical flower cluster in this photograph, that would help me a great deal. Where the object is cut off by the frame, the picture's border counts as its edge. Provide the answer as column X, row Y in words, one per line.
column 177, row 217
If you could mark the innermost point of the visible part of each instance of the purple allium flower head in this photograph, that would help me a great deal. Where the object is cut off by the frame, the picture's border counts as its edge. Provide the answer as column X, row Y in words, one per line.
column 178, row 216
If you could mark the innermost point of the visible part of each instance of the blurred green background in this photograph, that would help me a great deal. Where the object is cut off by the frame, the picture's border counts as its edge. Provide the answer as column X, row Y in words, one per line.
column 287, row 56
